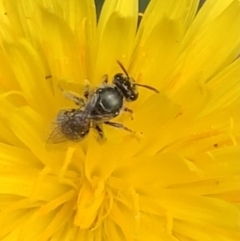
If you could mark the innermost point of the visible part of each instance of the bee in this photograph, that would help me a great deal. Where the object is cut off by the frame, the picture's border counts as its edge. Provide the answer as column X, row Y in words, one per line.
column 99, row 107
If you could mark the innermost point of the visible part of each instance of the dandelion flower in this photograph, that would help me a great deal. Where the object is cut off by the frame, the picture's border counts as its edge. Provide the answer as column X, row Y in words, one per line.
column 179, row 179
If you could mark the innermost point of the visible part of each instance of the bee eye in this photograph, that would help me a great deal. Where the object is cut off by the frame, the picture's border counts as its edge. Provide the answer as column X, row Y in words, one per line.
column 133, row 96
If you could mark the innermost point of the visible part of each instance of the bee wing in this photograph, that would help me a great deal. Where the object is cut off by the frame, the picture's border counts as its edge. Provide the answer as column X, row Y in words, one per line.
column 56, row 136
column 102, row 117
column 90, row 105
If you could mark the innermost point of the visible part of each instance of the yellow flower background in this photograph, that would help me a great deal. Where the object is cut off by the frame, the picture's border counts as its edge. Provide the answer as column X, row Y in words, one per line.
column 177, row 178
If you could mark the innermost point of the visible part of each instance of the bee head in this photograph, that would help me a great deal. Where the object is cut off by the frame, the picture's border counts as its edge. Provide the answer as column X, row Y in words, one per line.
column 127, row 86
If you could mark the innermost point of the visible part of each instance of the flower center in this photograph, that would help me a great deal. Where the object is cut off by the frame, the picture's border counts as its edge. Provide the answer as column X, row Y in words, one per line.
column 90, row 205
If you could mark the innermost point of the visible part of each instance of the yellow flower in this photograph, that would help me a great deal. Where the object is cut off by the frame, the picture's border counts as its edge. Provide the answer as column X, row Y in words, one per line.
column 179, row 179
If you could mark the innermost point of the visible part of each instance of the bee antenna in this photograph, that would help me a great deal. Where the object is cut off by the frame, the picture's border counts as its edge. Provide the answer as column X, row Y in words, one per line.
column 123, row 69
column 147, row 87
column 144, row 86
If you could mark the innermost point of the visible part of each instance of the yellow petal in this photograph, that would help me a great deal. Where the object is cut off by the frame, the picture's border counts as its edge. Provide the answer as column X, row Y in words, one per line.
column 145, row 170
column 116, row 30
column 126, row 9
column 23, row 56
column 12, row 222
column 153, row 227
column 204, row 54
column 203, row 232
column 224, row 87
column 8, row 79
column 81, row 18
column 162, row 44
column 210, row 10
column 183, row 11
column 27, row 130
column 17, row 13
column 96, row 164
column 212, row 186
column 195, row 209
column 89, row 201
column 61, row 49
column 61, row 218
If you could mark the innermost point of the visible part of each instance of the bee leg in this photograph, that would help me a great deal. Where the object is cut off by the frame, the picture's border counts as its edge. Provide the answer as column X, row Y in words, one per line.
column 105, row 79
column 87, row 88
column 129, row 111
column 86, row 93
column 118, row 125
column 72, row 96
column 100, row 131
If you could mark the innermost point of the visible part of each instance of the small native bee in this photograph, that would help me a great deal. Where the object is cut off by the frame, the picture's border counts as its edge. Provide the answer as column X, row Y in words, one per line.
column 98, row 107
